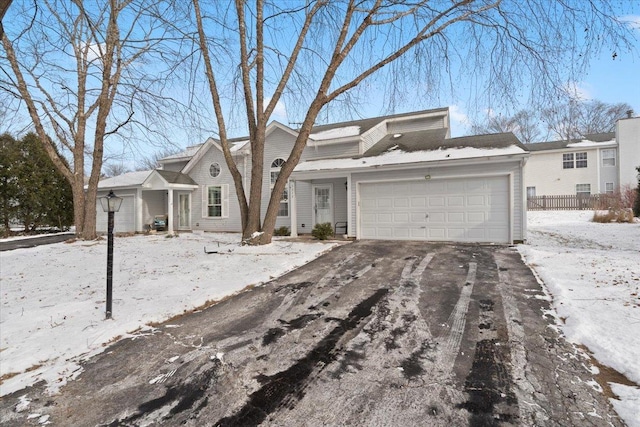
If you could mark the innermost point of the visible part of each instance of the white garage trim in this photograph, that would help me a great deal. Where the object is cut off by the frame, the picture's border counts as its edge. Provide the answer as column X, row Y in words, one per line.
column 437, row 209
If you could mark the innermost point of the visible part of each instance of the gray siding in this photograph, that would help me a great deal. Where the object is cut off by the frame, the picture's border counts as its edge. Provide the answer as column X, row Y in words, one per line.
column 200, row 174
column 607, row 174
column 305, row 202
column 415, row 125
column 153, row 203
column 350, row 149
column 174, row 166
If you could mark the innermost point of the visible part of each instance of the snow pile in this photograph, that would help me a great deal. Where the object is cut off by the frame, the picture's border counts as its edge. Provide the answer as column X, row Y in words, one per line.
column 593, row 272
column 52, row 312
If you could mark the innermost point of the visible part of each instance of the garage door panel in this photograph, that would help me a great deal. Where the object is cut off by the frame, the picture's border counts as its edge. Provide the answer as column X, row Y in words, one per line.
column 455, row 201
column 436, row 201
column 124, row 219
column 468, row 210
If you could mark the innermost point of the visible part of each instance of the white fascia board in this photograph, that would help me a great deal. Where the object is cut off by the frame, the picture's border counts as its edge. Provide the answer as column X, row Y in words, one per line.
column 277, row 125
column 329, row 173
column 612, row 144
column 335, row 141
column 210, row 142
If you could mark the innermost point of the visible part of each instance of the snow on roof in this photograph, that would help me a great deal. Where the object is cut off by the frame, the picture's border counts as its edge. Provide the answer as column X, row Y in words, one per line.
column 238, row 145
column 586, row 143
column 128, row 179
column 186, row 153
column 397, row 157
column 341, row 132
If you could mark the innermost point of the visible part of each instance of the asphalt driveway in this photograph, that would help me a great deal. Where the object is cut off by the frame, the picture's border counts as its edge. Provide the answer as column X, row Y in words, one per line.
column 372, row 333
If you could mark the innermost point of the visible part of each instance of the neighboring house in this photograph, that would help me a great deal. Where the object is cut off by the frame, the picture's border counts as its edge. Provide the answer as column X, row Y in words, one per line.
column 599, row 163
column 395, row 177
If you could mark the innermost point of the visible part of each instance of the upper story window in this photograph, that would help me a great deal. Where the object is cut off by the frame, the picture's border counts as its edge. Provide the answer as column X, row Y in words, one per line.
column 581, row 160
column 609, row 157
column 567, row 161
column 574, row 160
column 214, row 170
column 276, row 166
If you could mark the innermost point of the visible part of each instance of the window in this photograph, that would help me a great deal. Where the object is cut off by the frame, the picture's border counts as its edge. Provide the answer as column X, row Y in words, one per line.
column 581, row 160
column 583, row 189
column 276, row 165
column 214, row 170
column 609, row 157
column 214, row 204
column 215, row 201
column 567, row 161
column 531, row 192
column 608, row 187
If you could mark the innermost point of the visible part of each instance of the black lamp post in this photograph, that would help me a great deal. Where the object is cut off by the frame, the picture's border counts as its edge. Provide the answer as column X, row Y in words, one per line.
column 111, row 204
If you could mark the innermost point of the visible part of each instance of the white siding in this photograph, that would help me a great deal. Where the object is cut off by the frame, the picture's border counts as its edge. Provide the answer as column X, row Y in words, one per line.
column 373, row 135
column 545, row 172
column 628, row 137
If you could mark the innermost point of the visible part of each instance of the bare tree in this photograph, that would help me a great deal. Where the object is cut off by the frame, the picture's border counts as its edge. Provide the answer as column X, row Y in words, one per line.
column 90, row 74
column 114, row 169
column 314, row 54
column 4, row 5
column 524, row 124
column 153, row 161
column 579, row 118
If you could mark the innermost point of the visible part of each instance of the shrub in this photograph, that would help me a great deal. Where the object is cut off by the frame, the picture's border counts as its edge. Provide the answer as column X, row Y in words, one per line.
column 282, row 231
column 322, row 231
column 613, row 215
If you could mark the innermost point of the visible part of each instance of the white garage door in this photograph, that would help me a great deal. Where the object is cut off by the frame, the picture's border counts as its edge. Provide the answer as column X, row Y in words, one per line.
column 461, row 210
column 124, row 220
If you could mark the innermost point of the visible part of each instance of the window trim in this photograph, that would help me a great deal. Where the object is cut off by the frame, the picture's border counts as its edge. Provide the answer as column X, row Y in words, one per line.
column 531, row 192
column 224, row 201
column 581, row 163
column 583, row 192
column 217, row 166
column 567, row 161
column 274, row 172
column 606, row 184
column 611, row 151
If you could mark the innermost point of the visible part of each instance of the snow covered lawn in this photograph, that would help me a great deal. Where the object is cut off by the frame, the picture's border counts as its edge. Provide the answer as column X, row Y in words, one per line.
column 592, row 271
column 52, row 312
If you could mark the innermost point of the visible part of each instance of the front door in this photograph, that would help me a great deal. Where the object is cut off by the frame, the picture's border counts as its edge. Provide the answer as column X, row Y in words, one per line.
column 323, row 204
column 184, row 214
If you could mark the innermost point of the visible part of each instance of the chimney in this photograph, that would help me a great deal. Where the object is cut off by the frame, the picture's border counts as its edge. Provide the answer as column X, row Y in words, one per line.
column 629, row 114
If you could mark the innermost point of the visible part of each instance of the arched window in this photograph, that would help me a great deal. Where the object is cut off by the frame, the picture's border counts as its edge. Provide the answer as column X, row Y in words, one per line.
column 276, row 165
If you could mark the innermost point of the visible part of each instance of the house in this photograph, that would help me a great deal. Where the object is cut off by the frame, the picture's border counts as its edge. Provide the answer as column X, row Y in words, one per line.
column 599, row 163
column 396, row 177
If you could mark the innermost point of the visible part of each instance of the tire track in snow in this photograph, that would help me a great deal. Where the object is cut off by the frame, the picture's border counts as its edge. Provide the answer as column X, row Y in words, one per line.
column 450, row 347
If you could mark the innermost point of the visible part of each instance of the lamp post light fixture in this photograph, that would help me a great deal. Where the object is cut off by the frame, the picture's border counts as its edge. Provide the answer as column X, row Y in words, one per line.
column 111, row 204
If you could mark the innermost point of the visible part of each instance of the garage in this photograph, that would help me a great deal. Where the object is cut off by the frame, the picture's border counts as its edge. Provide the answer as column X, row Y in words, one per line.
column 473, row 209
column 124, row 220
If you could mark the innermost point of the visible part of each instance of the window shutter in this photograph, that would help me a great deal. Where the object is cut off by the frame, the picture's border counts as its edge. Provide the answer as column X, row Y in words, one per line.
column 225, row 200
column 205, row 201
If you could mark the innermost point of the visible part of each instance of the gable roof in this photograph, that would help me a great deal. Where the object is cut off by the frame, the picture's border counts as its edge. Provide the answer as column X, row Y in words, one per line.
column 435, row 139
column 129, row 179
column 366, row 124
column 421, row 147
column 588, row 140
column 175, row 177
